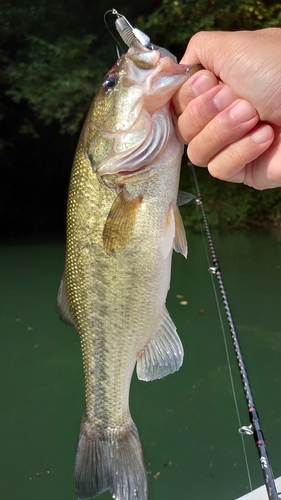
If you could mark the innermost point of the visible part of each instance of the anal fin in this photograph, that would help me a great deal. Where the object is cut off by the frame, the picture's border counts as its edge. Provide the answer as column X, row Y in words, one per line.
column 163, row 354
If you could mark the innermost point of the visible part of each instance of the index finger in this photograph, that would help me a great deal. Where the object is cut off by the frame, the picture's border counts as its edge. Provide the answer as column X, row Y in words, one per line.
column 209, row 49
column 197, row 84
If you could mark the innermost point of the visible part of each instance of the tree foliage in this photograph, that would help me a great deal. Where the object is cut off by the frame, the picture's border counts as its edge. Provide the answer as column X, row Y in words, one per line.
column 53, row 54
column 177, row 20
column 54, row 79
column 229, row 205
column 48, row 64
column 53, row 58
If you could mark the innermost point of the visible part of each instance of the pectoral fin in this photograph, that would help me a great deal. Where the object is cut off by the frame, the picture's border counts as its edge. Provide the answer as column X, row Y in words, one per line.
column 62, row 305
column 120, row 222
column 180, row 243
column 163, row 354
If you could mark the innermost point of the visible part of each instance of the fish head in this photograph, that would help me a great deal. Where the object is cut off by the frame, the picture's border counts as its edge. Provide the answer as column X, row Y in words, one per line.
column 121, row 121
column 140, row 78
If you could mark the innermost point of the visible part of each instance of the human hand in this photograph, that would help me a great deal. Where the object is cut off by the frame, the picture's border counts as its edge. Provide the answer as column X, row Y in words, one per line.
column 234, row 128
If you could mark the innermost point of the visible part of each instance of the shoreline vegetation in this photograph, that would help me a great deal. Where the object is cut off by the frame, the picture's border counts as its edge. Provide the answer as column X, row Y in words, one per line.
column 53, row 55
column 230, row 206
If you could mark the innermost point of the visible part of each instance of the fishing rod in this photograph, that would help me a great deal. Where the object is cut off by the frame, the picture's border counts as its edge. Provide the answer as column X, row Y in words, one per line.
column 254, row 428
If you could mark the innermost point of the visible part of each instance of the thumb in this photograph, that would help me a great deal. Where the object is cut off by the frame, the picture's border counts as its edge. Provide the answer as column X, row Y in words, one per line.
column 211, row 49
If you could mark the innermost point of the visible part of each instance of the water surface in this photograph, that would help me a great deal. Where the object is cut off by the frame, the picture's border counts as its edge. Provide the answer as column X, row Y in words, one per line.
column 187, row 421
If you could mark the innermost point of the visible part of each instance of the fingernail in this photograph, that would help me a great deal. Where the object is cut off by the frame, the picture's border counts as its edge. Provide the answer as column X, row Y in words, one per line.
column 224, row 98
column 262, row 134
column 202, row 84
column 242, row 112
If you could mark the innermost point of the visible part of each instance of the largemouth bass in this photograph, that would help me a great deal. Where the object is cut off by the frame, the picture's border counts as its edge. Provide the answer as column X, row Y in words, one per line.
column 122, row 226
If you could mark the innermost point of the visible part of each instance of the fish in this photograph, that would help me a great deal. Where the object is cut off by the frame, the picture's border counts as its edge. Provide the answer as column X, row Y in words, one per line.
column 123, row 223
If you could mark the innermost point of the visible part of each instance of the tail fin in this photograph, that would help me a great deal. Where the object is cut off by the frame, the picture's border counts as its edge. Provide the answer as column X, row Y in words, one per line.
column 110, row 460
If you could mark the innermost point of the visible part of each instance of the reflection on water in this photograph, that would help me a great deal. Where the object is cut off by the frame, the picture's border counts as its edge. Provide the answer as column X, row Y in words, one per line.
column 187, row 422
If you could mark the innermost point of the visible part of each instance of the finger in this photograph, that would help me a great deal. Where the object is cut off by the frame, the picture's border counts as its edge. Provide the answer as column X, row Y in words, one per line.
column 241, row 60
column 227, row 127
column 202, row 110
column 264, row 171
column 197, row 84
column 209, row 49
column 231, row 164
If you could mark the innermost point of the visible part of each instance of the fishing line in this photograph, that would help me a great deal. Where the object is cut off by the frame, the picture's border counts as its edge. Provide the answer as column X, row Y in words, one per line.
column 112, row 11
column 210, row 269
column 254, row 427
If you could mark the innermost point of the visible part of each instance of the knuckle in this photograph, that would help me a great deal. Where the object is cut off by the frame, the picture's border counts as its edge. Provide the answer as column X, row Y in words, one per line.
column 215, row 134
column 197, row 37
column 216, row 169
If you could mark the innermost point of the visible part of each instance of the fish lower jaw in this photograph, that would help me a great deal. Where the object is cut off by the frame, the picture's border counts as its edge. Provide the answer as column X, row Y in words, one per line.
column 117, row 179
column 133, row 172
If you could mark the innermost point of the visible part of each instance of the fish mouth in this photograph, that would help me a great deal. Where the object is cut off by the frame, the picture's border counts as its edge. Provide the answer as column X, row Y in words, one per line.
column 121, row 177
column 132, row 172
column 159, row 77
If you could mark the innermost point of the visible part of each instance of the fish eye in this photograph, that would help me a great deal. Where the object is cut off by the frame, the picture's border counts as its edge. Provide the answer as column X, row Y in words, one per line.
column 109, row 83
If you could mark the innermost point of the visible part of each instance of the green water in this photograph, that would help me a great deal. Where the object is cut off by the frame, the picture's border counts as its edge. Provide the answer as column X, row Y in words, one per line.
column 187, row 421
